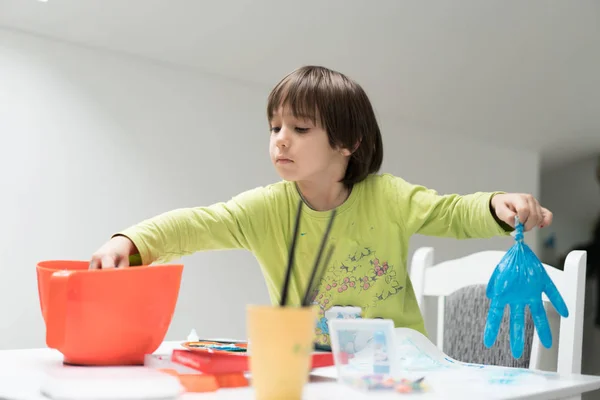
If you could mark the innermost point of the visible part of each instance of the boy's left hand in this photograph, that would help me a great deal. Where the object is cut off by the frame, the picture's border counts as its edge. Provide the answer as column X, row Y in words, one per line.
column 530, row 212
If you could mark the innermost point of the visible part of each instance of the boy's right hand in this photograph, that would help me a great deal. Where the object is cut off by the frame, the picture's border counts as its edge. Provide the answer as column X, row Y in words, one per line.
column 113, row 254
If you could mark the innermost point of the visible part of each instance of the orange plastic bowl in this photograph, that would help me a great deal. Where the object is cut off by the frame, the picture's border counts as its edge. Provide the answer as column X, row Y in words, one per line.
column 107, row 316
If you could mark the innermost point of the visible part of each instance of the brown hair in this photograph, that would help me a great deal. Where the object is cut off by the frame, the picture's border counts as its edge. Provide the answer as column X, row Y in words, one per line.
column 343, row 110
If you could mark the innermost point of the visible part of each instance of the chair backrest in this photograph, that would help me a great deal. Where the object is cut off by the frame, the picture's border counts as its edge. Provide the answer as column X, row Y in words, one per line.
column 449, row 277
column 465, row 313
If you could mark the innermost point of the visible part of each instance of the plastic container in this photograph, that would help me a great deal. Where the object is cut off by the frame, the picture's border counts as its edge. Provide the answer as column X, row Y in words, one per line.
column 363, row 347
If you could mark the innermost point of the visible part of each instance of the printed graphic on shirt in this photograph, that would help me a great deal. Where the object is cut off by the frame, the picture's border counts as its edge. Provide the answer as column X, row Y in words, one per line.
column 362, row 279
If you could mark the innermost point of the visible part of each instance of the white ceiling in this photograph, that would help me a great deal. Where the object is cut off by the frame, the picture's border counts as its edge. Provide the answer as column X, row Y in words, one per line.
column 510, row 72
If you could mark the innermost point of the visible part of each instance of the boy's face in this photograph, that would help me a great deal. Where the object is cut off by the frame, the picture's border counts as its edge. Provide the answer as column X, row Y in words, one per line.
column 300, row 150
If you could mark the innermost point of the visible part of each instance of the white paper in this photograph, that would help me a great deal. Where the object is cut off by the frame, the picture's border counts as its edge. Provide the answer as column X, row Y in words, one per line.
column 109, row 383
column 419, row 357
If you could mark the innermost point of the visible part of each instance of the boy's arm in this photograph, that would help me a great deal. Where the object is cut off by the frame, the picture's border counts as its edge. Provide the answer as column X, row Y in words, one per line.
column 236, row 224
column 424, row 211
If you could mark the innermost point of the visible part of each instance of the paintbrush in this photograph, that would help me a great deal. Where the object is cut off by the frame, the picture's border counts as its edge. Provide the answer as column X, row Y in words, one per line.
column 312, row 282
column 317, row 272
column 315, row 279
column 288, row 273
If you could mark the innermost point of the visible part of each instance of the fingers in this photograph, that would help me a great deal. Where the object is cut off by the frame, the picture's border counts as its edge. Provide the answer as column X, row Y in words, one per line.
column 530, row 212
column 505, row 211
column 535, row 214
column 108, row 261
column 555, row 298
column 114, row 254
column 540, row 320
column 517, row 329
column 492, row 324
column 547, row 217
column 123, row 262
column 94, row 263
column 521, row 207
column 536, row 218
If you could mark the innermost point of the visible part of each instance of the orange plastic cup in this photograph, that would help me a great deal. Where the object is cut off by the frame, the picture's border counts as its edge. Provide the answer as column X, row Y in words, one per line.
column 107, row 316
column 281, row 340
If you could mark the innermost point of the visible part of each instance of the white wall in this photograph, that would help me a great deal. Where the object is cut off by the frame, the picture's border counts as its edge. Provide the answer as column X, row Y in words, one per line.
column 93, row 142
column 573, row 193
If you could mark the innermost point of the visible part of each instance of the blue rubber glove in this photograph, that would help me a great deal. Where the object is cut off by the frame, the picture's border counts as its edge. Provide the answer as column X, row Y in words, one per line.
column 519, row 280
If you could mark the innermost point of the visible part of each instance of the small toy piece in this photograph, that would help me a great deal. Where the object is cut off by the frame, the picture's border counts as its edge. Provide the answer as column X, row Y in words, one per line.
column 407, row 386
column 383, row 382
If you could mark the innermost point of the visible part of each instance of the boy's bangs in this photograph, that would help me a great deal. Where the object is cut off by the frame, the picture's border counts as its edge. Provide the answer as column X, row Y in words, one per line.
column 298, row 95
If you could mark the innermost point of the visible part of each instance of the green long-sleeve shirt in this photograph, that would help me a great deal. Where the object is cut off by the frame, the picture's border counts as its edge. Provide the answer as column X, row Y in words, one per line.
column 371, row 233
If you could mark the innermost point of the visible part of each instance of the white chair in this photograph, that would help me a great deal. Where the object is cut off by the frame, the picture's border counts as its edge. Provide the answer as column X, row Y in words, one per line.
column 448, row 277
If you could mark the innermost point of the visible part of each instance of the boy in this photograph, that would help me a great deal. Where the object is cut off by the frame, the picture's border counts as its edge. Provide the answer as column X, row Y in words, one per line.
column 326, row 145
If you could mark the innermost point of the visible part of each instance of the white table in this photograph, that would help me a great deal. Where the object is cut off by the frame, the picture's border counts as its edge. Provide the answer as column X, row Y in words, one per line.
column 22, row 371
